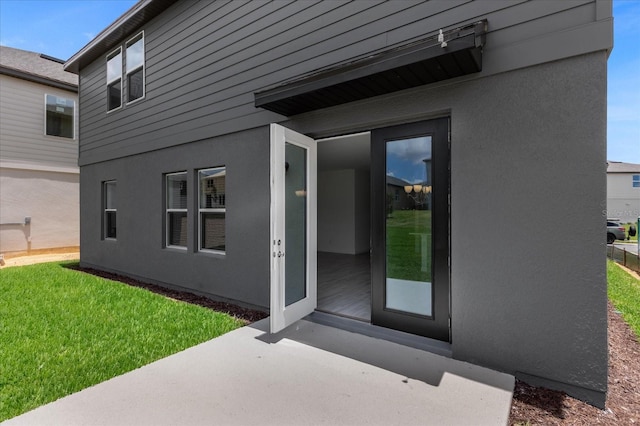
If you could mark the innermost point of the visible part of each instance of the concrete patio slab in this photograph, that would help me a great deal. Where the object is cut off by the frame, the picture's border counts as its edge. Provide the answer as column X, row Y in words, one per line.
column 308, row 374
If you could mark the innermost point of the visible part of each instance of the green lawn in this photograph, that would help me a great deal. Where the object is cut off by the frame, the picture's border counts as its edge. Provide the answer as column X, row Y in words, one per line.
column 624, row 293
column 405, row 256
column 62, row 330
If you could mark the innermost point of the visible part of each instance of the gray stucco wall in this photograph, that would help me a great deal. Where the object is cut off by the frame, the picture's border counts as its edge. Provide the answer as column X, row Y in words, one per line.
column 242, row 274
column 528, row 182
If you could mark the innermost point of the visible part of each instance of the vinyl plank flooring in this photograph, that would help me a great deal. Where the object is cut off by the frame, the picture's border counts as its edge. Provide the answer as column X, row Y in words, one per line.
column 344, row 285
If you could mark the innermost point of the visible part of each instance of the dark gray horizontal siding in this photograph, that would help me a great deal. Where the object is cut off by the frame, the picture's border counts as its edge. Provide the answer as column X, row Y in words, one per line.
column 204, row 60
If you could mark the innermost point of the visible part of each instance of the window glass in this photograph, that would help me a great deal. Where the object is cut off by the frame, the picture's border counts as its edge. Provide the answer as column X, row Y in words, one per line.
column 114, row 95
column 135, row 68
column 59, row 113
column 636, row 181
column 136, row 85
column 135, row 53
column 114, row 80
column 114, row 66
column 212, row 208
column 176, row 184
column 110, row 210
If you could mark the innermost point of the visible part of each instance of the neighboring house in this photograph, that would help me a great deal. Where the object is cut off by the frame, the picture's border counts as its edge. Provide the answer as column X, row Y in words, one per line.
column 39, row 175
column 397, row 197
column 623, row 191
column 297, row 102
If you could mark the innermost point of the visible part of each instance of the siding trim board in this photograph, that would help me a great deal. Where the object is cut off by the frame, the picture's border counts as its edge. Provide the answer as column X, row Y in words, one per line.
column 453, row 54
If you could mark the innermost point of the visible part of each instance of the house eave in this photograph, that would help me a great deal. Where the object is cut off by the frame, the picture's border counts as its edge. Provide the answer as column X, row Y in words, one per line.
column 38, row 79
column 141, row 13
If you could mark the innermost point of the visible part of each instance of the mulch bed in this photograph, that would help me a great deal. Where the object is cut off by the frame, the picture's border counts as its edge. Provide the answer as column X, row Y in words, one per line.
column 539, row 406
column 531, row 405
column 245, row 314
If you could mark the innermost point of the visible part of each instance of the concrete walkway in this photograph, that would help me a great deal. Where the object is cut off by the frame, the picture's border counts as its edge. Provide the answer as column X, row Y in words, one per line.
column 307, row 374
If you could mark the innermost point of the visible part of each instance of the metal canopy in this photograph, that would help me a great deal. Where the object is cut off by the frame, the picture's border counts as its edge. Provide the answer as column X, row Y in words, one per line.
column 405, row 67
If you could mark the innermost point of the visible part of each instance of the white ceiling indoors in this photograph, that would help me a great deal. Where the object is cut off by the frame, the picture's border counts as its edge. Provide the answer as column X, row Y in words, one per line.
column 345, row 152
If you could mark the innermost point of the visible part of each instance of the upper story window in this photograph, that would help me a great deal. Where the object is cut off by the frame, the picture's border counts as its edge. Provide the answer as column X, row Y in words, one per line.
column 176, row 210
column 110, row 210
column 135, row 68
column 635, row 180
column 59, row 116
column 114, row 80
column 212, row 209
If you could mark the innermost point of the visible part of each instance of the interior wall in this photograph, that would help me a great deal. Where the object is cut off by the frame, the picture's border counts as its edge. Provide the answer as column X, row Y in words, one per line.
column 336, row 211
column 362, row 211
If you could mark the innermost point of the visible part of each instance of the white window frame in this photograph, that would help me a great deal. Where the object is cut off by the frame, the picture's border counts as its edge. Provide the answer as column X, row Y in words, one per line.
column 210, row 210
column 143, row 67
column 108, row 210
column 109, row 56
column 172, row 210
column 73, row 117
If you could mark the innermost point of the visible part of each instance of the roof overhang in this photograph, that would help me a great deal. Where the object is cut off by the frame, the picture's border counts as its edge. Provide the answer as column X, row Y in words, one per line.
column 38, row 79
column 141, row 13
column 408, row 66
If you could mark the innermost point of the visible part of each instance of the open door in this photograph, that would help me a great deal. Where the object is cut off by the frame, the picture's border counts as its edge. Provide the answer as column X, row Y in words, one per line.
column 293, row 227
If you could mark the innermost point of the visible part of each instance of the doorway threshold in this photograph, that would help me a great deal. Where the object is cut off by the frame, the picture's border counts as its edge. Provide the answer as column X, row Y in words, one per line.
column 360, row 327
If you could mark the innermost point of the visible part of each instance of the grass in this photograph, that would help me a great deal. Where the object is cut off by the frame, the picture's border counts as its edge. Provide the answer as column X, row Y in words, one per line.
column 624, row 292
column 62, row 330
column 404, row 245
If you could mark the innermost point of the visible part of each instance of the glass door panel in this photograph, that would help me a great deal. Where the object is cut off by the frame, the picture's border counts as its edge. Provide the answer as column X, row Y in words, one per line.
column 295, row 222
column 293, row 227
column 408, row 226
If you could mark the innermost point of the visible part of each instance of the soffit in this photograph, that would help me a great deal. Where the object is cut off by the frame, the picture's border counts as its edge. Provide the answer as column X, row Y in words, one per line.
column 412, row 65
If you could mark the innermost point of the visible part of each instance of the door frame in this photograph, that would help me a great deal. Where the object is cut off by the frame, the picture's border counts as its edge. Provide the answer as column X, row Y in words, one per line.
column 438, row 325
column 281, row 316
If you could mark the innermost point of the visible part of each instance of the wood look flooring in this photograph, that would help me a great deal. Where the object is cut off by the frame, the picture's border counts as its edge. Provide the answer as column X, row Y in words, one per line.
column 344, row 285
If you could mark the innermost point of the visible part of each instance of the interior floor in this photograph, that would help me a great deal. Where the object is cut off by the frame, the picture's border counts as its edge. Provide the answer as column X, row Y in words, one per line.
column 344, row 285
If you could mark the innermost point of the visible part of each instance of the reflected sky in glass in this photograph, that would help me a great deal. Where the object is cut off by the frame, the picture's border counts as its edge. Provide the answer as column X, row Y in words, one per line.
column 406, row 159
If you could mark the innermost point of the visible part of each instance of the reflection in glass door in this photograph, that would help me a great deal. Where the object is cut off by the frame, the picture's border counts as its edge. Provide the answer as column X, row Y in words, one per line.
column 408, row 226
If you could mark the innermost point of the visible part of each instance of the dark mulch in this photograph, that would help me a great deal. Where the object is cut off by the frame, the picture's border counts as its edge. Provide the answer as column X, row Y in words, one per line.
column 245, row 314
column 538, row 406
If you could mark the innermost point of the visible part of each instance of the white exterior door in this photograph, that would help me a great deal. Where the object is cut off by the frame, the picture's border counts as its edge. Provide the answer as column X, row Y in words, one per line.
column 293, row 227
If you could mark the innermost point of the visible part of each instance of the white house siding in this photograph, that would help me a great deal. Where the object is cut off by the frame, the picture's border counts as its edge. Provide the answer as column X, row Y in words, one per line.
column 623, row 200
column 39, row 176
column 49, row 198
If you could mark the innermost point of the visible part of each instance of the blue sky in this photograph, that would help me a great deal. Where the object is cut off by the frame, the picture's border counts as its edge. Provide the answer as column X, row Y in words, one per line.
column 62, row 28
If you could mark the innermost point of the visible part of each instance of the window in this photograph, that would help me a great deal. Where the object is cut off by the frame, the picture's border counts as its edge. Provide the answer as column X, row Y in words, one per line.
column 135, row 68
column 212, row 209
column 635, row 180
column 176, row 228
column 109, row 191
column 114, row 80
column 59, row 116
